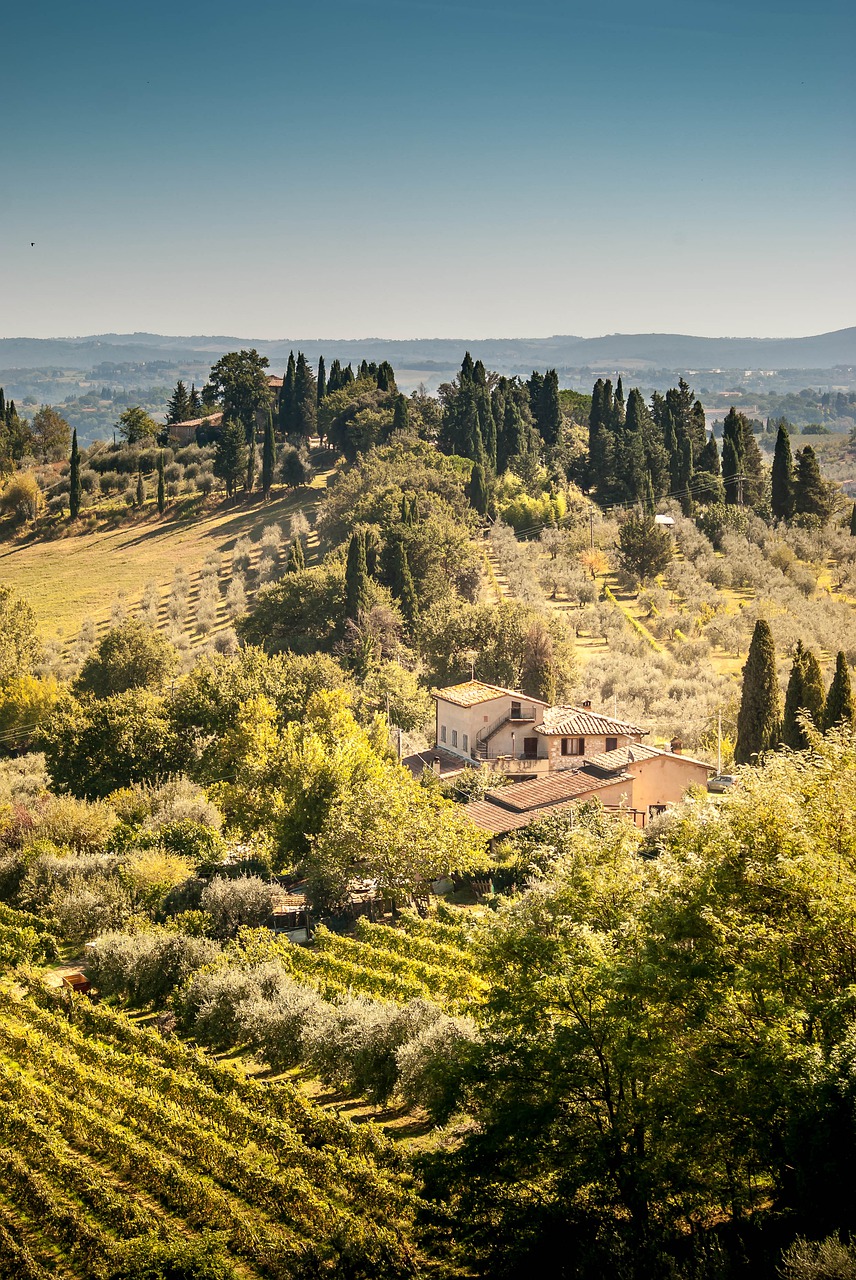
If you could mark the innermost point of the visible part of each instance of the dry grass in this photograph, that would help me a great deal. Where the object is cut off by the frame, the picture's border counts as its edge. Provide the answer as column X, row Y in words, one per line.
column 80, row 576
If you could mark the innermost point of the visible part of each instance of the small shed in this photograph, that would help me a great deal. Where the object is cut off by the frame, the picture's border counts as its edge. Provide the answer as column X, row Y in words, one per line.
column 77, row 982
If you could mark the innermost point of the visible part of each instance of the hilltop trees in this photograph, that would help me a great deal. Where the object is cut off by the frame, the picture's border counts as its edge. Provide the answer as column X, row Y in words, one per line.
column 782, row 494
column 239, row 383
column 51, row 434
column 135, row 425
column 759, row 714
column 804, row 696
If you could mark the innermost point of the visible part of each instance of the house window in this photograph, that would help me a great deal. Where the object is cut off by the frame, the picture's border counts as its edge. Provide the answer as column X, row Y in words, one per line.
column 530, row 748
column 442, row 733
column 581, row 746
column 454, row 737
column 573, row 746
column 612, row 744
column 515, row 711
column 565, row 747
column 466, row 743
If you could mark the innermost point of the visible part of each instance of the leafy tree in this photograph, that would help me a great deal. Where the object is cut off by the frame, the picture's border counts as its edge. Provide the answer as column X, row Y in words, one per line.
column 839, row 708
column 804, row 695
column 20, row 647
column 758, row 719
column 161, row 486
column 178, row 406
column 26, row 703
column 51, row 434
column 268, row 457
column 230, row 457
column 93, row 746
column 302, row 612
column 450, row 631
column 402, row 583
column 129, row 656
column 74, row 479
column 782, row 496
column 194, row 403
column 295, row 467
column 539, row 677
column 644, row 547
column 22, row 497
column 296, row 557
column 135, row 425
column 853, row 521
column 239, row 383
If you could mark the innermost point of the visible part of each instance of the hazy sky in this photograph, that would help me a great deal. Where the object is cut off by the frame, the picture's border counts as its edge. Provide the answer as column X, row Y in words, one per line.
column 409, row 168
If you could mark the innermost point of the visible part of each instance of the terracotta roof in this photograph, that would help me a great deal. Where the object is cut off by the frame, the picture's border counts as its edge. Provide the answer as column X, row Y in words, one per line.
column 449, row 764
column 573, row 721
column 521, row 797
column 214, row 420
column 494, row 818
column 274, row 380
column 472, row 692
column 634, row 752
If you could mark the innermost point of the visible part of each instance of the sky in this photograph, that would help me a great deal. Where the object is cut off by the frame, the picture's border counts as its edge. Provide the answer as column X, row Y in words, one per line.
column 428, row 168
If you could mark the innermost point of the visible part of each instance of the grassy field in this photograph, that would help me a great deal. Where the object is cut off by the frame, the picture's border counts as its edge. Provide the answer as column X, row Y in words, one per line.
column 67, row 579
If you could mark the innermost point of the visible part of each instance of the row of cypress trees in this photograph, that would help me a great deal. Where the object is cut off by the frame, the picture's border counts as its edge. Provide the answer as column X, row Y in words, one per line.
column 761, row 723
column 362, row 564
column 797, row 485
column 494, row 426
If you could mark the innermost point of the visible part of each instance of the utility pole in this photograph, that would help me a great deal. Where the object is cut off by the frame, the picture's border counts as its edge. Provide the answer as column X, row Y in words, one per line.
column 591, row 530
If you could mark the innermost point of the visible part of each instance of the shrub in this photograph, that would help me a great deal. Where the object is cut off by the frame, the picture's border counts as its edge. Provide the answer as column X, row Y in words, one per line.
column 247, row 900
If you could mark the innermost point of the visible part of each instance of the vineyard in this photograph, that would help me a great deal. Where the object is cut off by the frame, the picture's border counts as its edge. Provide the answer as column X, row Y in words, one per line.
column 421, row 959
column 109, row 1132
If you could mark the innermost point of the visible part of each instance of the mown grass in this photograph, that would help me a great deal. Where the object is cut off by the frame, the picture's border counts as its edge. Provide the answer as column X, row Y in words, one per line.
column 78, row 576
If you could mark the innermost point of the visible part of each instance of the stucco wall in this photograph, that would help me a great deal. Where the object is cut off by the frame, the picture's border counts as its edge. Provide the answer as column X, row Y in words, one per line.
column 664, row 779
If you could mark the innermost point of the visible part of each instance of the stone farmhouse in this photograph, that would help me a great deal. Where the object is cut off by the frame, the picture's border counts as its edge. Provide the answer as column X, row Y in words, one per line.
column 556, row 756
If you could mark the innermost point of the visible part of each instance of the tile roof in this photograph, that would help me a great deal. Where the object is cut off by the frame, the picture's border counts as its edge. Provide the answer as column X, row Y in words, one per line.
column 449, row 764
column 493, row 817
column 274, row 380
column 573, row 721
column 539, row 792
column 213, row 419
column 472, row 692
column 634, row 752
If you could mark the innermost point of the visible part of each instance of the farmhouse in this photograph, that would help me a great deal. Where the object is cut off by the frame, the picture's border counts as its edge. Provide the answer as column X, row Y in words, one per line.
column 556, row 757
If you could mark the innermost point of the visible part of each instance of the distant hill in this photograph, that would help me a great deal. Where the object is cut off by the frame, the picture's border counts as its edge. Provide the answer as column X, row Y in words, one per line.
column 642, row 351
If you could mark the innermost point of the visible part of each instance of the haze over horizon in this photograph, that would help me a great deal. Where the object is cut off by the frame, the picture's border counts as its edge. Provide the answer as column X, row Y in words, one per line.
column 421, row 168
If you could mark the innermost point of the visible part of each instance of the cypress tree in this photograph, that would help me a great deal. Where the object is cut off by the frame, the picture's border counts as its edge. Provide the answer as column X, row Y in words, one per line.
column 74, row 476
column 810, row 495
column 618, row 410
column 839, row 708
column 385, row 376
column 161, row 486
column 356, row 578
column 141, row 489
column 758, row 717
column 268, row 457
column 296, row 557
column 805, row 693
column 287, row 400
column 649, row 494
column 550, row 408
column 305, row 398
column 250, row 478
column 853, row 521
column 322, row 380
column 478, row 490
column 512, row 438
column 334, row 381
column 194, row 401
column 347, row 376
column 399, row 414
column 402, row 583
column 178, row 406
column 732, row 457
column 685, row 478
column 2, row 405
column 782, row 478
column 708, row 459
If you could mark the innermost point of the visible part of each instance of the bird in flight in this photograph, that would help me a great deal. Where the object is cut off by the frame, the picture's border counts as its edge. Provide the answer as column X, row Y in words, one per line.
column 32, row 244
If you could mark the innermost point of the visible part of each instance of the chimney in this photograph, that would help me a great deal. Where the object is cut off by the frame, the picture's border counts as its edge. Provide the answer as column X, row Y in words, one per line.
column 676, row 746
column 586, row 705
column 435, row 765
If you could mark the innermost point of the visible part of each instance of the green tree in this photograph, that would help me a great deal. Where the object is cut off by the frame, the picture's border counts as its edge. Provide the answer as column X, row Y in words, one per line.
column 250, row 475
column 129, row 656
column 644, row 547
column 400, row 415
column 322, row 379
column 296, row 557
column 782, row 495
column 94, row 746
column 811, row 496
column 161, row 486
column 839, row 708
column 239, row 383
column 268, row 457
column 136, row 426
column 805, row 694
column 74, row 479
column 402, row 583
column 51, row 434
column 853, row 521
column 140, row 495
column 758, row 720
column 230, row 456
column 295, row 467
column 20, row 647
column 478, row 490
column 178, row 406
column 288, row 399
column 305, row 398
column 356, row 578
column 539, row 664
